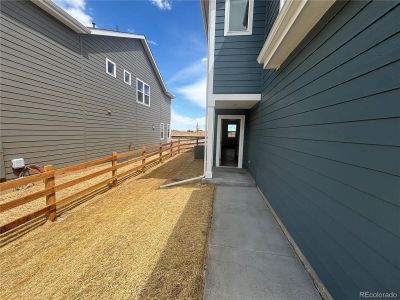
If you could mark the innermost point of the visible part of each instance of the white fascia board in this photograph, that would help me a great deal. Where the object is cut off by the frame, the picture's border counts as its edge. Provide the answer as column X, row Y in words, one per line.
column 294, row 22
column 236, row 97
column 143, row 40
column 62, row 16
column 116, row 33
column 204, row 11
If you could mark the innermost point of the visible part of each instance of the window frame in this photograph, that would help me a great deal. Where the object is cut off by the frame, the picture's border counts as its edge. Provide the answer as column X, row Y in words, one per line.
column 162, row 131
column 114, row 74
column 168, row 131
column 144, row 94
column 249, row 30
column 130, row 77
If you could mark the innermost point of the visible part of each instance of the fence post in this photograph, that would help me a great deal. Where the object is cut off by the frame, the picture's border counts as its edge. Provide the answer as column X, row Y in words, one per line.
column 51, row 198
column 179, row 145
column 170, row 150
column 143, row 159
column 197, row 141
column 114, row 171
column 161, row 152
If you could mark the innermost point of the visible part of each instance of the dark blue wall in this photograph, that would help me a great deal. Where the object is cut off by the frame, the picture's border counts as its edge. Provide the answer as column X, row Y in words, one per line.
column 324, row 146
column 236, row 70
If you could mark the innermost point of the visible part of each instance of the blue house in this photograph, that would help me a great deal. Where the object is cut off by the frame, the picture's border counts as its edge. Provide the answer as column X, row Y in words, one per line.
column 306, row 96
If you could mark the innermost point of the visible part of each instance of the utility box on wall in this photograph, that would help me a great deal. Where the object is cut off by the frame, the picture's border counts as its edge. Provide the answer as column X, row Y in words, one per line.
column 199, row 152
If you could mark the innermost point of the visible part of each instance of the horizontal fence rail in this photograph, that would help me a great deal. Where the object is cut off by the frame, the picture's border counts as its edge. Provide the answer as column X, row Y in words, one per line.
column 148, row 156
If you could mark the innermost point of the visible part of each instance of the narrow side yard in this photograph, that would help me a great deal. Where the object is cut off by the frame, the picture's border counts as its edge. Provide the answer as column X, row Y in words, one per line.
column 133, row 242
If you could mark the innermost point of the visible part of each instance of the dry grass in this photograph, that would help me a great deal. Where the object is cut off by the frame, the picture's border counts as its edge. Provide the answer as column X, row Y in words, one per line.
column 133, row 242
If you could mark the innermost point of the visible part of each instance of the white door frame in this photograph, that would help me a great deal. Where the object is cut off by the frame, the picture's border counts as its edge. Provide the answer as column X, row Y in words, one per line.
column 241, row 137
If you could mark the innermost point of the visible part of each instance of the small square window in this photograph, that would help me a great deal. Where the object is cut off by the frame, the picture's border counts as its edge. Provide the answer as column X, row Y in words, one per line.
column 111, row 68
column 142, row 92
column 127, row 77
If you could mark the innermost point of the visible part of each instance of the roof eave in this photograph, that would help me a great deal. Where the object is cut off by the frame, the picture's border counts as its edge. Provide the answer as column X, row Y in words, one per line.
column 58, row 13
column 62, row 16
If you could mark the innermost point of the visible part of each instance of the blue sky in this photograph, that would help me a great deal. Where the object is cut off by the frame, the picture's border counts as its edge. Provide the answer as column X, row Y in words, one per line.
column 175, row 32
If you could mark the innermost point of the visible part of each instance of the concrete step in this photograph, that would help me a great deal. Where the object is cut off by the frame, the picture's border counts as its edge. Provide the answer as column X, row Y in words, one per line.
column 231, row 177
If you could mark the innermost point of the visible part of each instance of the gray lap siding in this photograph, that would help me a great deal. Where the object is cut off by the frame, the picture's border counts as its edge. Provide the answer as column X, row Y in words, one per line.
column 324, row 147
column 56, row 95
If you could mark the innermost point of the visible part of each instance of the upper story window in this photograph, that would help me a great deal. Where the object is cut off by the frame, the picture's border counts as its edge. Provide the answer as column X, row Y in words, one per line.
column 238, row 17
column 127, row 77
column 111, row 68
column 142, row 92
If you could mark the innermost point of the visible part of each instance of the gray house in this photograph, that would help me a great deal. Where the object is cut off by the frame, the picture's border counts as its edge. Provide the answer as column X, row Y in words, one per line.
column 306, row 96
column 71, row 93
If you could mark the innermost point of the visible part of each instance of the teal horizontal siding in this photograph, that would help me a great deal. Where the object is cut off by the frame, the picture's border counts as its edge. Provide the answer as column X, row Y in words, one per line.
column 324, row 146
column 235, row 57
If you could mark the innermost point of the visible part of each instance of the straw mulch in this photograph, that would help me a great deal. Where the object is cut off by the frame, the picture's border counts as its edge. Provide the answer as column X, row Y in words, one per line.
column 133, row 242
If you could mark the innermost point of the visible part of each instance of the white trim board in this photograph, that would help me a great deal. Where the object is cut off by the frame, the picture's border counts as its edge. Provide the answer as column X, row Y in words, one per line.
column 295, row 20
column 210, row 111
column 241, row 138
column 237, row 97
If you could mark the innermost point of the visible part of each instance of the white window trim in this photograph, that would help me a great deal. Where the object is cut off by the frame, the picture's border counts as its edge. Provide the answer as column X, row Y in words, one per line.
column 115, row 68
column 130, row 77
column 168, row 131
column 137, row 90
column 249, row 31
column 162, row 131
column 241, row 138
column 295, row 20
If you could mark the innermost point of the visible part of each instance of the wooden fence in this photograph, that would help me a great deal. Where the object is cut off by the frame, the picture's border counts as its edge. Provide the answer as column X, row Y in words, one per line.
column 148, row 156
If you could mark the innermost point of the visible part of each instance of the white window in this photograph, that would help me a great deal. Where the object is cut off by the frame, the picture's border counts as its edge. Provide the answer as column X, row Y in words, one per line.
column 111, row 68
column 142, row 92
column 162, row 131
column 127, row 77
column 168, row 131
column 238, row 17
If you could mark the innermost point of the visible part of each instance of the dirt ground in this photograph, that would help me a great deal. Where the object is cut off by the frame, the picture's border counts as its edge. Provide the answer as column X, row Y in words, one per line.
column 135, row 241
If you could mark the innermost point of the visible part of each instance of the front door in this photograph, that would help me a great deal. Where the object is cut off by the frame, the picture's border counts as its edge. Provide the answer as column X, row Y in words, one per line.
column 230, row 131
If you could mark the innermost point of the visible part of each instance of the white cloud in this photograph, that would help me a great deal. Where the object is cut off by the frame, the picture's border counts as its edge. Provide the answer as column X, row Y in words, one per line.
column 196, row 70
column 77, row 9
column 181, row 122
column 162, row 4
column 195, row 92
column 151, row 42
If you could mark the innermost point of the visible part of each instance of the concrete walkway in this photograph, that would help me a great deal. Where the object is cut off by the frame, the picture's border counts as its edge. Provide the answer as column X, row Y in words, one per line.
column 249, row 256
